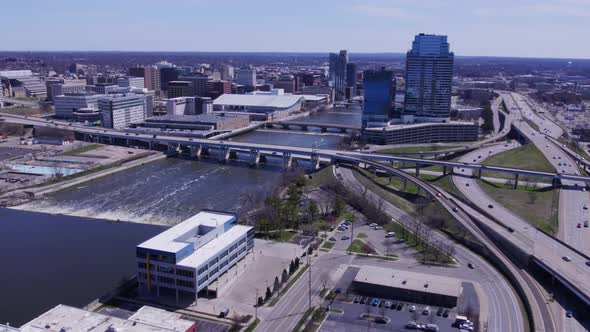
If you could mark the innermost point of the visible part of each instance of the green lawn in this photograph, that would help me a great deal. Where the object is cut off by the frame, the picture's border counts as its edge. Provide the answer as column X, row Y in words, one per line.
column 526, row 157
column 252, row 326
column 416, row 149
column 360, row 247
column 391, row 198
column 426, row 253
column 81, row 150
column 283, row 236
column 328, row 245
column 361, row 235
column 444, row 182
column 322, row 177
column 394, row 182
column 543, row 212
column 336, row 310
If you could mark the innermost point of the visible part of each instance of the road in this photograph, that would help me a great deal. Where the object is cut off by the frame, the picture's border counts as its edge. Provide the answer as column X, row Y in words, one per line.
column 502, row 317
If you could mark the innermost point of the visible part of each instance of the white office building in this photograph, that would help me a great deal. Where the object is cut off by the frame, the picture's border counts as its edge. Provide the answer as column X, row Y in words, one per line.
column 180, row 106
column 245, row 76
column 67, row 105
column 132, row 82
column 119, row 111
column 190, row 256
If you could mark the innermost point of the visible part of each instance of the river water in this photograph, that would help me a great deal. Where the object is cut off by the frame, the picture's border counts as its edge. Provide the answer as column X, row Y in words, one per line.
column 52, row 259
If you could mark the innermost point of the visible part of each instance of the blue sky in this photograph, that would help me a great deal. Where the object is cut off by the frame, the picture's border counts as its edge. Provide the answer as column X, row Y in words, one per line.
column 528, row 28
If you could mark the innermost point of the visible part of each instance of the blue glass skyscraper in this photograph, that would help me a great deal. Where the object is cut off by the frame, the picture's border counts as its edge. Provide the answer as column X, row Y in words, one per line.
column 429, row 78
column 379, row 89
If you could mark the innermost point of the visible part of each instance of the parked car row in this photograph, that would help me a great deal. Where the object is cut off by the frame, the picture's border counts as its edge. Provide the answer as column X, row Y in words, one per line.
column 412, row 325
column 394, row 305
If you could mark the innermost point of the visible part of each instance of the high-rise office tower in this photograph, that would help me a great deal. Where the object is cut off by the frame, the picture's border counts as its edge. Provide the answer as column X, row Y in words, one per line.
column 119, row 111
column 227, row 73
column 337, row 73
column 350, row 80
column 429, row 77
column 167, row 74
column 246, row 76
column 152, row 78
column 379, row 90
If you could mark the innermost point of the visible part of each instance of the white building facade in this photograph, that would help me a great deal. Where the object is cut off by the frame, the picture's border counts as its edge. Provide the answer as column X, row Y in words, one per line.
column 119, row 111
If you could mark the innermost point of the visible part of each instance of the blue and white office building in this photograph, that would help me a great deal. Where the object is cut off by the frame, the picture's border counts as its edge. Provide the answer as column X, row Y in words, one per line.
column 190, row 256
column 379, row 90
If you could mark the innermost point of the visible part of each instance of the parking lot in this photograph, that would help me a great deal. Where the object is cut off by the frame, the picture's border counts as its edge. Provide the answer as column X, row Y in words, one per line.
column 350, row 319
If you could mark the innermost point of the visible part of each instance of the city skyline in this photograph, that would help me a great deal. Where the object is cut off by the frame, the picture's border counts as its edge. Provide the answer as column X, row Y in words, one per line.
column 527, row 29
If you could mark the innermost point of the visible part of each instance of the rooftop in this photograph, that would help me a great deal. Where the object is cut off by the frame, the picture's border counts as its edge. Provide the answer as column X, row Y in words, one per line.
column 273, row 101
column 409, row 280
column 169, row 240
column 66, row 318
column 421, row 124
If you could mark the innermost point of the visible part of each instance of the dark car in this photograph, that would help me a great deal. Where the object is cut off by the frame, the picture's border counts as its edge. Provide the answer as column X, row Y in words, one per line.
column 400, row 306
column 471, row 266
column 446, row 313
column 393, row 304
column 356, row 299
column 439, row 311
column 381, row 303
column 364, row 299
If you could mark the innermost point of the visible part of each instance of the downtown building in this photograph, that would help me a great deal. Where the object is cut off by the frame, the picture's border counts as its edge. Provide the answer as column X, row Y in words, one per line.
column 379, row 90
column 131, row 82
column 77, row 106
column 192, row 255
column 246, row 77
column 337, row 73
column 429, row 78
column 121, row 110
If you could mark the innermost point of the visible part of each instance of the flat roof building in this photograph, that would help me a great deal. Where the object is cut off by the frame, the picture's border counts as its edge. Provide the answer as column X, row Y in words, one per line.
column 146, row 319
column 67, row 105
column 190, row 256
column 120, row 111
column 408, row 286
column 274, row 105
column 429, row 132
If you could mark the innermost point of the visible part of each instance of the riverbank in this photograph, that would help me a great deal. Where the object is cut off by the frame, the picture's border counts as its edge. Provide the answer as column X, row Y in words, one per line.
column 25, row 195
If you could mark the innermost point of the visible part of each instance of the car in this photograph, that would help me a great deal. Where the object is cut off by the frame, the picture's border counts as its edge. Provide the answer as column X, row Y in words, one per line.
column 554, row 157
column 466, row 184
column 438, row 195
column 439, row 312
column 345, row 237
column 400, row 306
column 431, row 328
column 586, row 223
column 375, row 302
column 332, row 239
column 579, row 225
column 569, row 314
column 466, row 327
column 348, row 222
column 446, row 313
column 412, row 325
column 340, row 229
column 455, row 209
column 387, row 304
column 588, row 263
column 490, row 206
column 474, row 160
column 426, row 311
column 364, row 299
column 381, row 303
column 393, row 305
column 567, row 258
column 356, row 299
column 413, row 308
column 390, row 234
column 471, row 266
column 372, row 224
column 338, row 290
column 547, row 145
column 585, row 207
column 378, row 228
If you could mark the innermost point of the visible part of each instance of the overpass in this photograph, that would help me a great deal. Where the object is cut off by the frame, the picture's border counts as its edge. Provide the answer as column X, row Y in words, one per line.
column 197, row 146
column 305, row 125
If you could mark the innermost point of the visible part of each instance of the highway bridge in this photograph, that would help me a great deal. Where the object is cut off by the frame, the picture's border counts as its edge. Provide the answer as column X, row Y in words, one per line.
column 303, row 125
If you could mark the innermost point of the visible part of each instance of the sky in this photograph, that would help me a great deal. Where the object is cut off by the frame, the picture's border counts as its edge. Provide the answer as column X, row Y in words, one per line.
column 524, row 28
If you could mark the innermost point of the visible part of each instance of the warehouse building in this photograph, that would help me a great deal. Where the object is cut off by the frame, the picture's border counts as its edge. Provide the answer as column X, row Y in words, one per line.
column 407, row 286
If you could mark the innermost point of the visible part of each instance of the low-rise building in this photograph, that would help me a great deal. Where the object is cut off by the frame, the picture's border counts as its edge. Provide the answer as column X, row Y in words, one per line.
column 407, row 286
column 67, row 105
column 134, row 82
column 428, row 132
column 275, row 105
column 190, row 256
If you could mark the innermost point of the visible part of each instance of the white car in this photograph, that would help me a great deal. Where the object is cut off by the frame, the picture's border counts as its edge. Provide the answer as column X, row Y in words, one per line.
column 372, row 224
column 378, row 228
column 413, row 308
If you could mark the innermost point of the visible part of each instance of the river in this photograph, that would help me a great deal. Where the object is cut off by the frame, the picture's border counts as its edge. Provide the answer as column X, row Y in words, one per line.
column 52, row 259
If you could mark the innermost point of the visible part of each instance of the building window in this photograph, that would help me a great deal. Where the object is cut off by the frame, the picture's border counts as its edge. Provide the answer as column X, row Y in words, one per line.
column 203, row 270
column 185, row 273
column 166, row 280
column 184, row 283
column 202, row 280
column 233, row 247
column 165, row 269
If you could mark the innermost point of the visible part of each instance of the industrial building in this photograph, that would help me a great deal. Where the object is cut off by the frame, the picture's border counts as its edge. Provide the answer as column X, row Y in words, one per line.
column 275, row 105
column 66, row 318
column 22, row 83
column 407, row 286
column 190, row 256
column 432, row 132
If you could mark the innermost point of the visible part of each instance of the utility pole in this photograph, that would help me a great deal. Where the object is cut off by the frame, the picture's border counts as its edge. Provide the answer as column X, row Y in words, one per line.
column 256, row 306
column 309, row 274
column 351, row 234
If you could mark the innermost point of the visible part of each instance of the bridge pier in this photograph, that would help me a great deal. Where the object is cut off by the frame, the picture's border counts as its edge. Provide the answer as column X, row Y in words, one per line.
column 315, row 162
column 405, row 184
column 478, row 174
column 127, row 142
column 287, row 160
column 516, row 181
column 232, row 154
column 342, row 130
column 254, row 157
column 223, row 154
column 172, row 149
column 304, row 128
column 417, row 170
column 444, row 170
column 285, row 126
column 323, row 129
column 195, row 150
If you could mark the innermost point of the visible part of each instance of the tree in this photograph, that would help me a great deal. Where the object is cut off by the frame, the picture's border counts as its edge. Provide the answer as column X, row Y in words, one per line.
column 276, row 285
column 268, row 294
column 532, row 197
column 264, row 227
column 338, row 205
column 285, row 276
column 292, row 267
column 296, row 263
column 488, row 118
column 260, row 301
column 313, row 211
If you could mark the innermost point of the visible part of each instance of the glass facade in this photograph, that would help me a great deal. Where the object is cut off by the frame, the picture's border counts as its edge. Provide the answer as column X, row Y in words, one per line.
column 429, row 76
column 379, row 89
